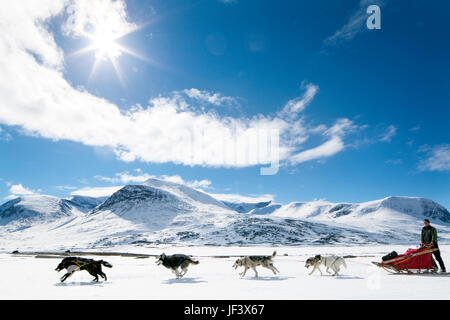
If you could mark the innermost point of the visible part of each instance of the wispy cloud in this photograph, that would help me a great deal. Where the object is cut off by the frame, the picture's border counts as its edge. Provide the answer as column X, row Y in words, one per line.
column 438, row 158
column 65, row 188
column 333, row 145
column 356, row 24
column 207, row 97
column 327, row 149
column 391, row 131
column 394, row 161
column 296, row 105
column 5, row 136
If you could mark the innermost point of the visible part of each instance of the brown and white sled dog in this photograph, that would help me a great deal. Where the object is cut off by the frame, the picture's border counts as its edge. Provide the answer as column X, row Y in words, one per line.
column 333, row 262
column 254, row 261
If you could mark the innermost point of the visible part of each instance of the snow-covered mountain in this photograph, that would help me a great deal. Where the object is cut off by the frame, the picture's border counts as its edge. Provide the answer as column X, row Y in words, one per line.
column 84, row 203
column 33, row 209
column 164, row 212
column 36, row 209
column 186, row 193
column 245, row 207
column 398, row 215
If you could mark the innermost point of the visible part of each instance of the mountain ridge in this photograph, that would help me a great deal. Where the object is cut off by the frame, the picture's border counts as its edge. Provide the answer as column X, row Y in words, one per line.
column 156, row 212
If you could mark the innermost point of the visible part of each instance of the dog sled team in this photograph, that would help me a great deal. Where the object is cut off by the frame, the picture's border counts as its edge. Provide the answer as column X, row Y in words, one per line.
column 414, row 261
column 179, row 263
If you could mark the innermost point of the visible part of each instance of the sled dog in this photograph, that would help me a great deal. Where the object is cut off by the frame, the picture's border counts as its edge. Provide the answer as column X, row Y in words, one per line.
column 73, row 264
column 254, row 261
column 333, row 262
column 176, row 261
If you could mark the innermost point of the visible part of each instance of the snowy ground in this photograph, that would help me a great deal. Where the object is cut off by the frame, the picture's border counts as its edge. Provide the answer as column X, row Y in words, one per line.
column 27, row 277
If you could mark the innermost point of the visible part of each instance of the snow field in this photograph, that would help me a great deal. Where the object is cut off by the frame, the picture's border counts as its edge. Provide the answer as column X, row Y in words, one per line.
column 27, row 277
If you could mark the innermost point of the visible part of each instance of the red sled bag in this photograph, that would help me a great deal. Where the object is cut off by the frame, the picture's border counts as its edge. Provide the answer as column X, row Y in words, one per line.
column 412, row 261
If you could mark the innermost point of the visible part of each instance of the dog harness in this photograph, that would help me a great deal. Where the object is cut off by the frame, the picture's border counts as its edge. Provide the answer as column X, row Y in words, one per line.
column 79, row 264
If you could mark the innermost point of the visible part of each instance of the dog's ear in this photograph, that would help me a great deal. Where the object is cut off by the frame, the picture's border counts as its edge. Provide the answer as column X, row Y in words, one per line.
column 317, row 257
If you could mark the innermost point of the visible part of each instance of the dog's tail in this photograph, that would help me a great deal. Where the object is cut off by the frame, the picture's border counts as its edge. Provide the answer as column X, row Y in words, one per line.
column 274, row 254
column 193, row 261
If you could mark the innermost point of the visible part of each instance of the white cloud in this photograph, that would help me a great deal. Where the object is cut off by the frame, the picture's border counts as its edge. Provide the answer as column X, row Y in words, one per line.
column 438, row 159
column 127, row 178
column 356, row 23
column 294, row 106
column 24, row 32
column 213, row 98
column 18, row 190
column 200, row 184
column 84, row 16
column 332, row 146
column 391, row 131
column 35, row 96
column 327, row 149
column 96, row 191
column 196, row 184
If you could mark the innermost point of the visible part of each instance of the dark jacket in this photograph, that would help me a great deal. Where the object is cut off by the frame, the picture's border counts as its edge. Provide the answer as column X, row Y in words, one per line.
column 429, row 234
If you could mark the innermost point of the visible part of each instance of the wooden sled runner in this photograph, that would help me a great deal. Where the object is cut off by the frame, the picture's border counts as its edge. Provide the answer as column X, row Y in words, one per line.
column 413, row 261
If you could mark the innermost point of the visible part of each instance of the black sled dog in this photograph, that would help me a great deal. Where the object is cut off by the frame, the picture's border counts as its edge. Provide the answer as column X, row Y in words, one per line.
column 73, row 264
column 176, row 261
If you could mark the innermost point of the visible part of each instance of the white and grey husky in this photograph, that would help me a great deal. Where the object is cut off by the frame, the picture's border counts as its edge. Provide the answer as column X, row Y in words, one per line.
column 251, row 262
column 333, row 262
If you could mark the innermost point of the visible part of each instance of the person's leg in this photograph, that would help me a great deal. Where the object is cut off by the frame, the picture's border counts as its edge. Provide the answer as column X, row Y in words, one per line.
column 437, row 255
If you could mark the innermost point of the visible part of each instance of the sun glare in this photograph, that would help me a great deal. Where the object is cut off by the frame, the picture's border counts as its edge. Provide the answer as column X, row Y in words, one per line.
column 106, row 48
column 105, row 45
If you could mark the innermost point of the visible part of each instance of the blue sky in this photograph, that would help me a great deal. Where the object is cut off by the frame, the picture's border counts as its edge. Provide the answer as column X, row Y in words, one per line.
column 362, row 114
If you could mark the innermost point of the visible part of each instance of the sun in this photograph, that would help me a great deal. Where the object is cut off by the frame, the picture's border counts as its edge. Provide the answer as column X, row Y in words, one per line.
column 104, row 44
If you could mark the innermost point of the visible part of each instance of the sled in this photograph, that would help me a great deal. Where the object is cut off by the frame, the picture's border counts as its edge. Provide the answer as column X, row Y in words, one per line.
column 413, row 261
column 429, row 274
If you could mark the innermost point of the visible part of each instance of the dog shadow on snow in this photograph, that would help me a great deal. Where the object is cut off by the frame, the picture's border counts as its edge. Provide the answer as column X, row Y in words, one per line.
column 80, row 284
column 268, row 278
column 184, row 280
column 341, row 277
